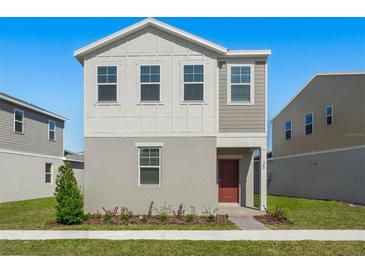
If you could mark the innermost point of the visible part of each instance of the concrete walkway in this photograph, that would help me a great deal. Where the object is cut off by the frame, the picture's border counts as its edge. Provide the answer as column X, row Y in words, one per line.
column 248, row 223
column 224, row 235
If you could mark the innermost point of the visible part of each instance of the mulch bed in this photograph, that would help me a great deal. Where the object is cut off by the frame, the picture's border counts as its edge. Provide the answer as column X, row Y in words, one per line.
column 272, row 219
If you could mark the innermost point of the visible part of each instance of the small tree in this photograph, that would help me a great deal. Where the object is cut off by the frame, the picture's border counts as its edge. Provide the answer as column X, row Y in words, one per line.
column 70, row 201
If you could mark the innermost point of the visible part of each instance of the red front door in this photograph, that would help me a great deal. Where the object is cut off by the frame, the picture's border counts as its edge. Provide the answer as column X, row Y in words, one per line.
column 228, row 181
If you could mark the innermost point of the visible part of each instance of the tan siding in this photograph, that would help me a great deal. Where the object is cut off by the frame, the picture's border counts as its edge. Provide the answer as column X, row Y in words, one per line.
column 346, row 93
column 35, row 137
column 249, row 118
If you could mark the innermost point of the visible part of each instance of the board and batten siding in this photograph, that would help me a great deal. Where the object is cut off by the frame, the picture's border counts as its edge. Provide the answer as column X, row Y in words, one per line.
column 35, row 137
column 243, row 118
column 347, row 95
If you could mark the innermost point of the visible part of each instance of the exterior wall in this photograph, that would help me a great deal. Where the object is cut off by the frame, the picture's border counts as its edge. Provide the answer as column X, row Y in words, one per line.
column 334, row 176
column 243, row 118
column 171, row 116
column 23, row 177
column 346, row 94
column 35, row 137
column 78, row 169
column 111, row 174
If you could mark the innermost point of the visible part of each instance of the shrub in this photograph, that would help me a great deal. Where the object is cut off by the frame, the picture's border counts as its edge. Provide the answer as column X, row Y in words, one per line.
column 180, row 211
column 164, row 212
column 210, row 213
column 125, row 214
column 111, row 216
column 191, row 216
column 70, row 201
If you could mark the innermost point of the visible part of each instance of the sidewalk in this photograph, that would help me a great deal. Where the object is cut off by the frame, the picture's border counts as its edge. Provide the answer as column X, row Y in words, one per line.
column 209, row 235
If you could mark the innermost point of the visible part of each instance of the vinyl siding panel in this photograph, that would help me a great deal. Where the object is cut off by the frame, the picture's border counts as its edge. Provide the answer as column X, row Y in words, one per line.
column 35, row 137
column 346, row 93
column 246, row 118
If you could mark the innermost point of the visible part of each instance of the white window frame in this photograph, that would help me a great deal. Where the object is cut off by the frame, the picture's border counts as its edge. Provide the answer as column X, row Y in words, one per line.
column 49, row 130
column 192, row 102
column 252, row 85
column 140, row 102
column 15, row 110
column 116, row 84
column 305, row 123
column 286, row 130
column 332, row 111
column 46, row 173
column 139, row 146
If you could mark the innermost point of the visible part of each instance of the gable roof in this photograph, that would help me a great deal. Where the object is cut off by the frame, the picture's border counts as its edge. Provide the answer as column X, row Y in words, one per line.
column 315, row 76
column 80, row 53
column 28, row 105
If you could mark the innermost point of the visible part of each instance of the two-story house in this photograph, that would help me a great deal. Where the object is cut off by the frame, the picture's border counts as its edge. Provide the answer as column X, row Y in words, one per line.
column 31, row 149
column 171, row 117
column 318, row 139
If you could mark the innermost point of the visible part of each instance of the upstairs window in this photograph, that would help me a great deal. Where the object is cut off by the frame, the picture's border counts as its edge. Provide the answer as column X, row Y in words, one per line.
column 288, row 130
column 51, row 130
column 241, row 85
column 308, row 123
column 149, row 165
column 150, row 83
column 107, row 84
column 49, row 173
column 329, row 115
column 18, row 121
column 193, row 82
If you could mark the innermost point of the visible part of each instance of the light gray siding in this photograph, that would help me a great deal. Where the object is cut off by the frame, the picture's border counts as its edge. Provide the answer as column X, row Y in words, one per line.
column 243, row 118
column 35, row 137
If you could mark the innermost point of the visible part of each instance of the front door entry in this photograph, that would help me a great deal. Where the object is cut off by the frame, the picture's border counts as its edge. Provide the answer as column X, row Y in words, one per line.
column 228, row 181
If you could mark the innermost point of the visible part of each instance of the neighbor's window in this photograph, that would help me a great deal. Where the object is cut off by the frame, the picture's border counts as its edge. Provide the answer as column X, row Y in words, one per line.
column 240, row 84
column 308, row 123
column 193, row 82
column 149, row 165
column 107, row 84
column 150, row 83
column 49, row 173
column 51, row 130
column 288, row 129
column 18, row 121
column 329, row 115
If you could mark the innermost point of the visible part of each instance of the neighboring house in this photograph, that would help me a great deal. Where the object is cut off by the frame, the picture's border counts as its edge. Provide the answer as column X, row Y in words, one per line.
column 171, row 117
column 76, row 161
column 318, row 139
column 31, row 149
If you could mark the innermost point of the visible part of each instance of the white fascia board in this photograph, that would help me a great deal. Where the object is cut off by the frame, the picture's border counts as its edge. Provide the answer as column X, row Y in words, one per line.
column 249, row 142
column 248, row 53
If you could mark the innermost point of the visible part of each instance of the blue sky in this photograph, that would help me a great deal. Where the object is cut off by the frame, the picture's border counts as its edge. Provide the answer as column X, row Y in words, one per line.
column 37, row 63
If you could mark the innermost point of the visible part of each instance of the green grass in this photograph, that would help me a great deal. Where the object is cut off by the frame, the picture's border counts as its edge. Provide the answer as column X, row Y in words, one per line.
column 318, row 214
column 199, row 248
column 39, row 213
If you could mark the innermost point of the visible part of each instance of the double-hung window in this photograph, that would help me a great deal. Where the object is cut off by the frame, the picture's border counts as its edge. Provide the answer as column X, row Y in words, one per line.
column 288, row 130
column 49, row 173
column 18, row 121
column 107, row 84
column 51, row 130
column 329, row 115
column 308, row 123
column 240, row 90
column 149, row 165
column 193, row 82
column 150, row 83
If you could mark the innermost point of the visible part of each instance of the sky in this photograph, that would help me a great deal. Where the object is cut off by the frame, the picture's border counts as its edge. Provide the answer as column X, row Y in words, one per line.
column 37, row 63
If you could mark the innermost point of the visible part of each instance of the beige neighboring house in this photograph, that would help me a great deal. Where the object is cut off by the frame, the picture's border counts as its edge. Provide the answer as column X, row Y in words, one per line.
column 171, row 117
column 318, row 140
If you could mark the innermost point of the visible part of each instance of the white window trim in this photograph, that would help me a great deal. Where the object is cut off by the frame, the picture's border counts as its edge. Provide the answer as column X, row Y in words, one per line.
column 252, row 85
column 332, row 111
column 192, row 102
column 305, row 124
column 139, row 166
column 286, row 130
column 104, row 84
column 45, row 172
column 22, row 132
column 49, row 130
column 139, row 100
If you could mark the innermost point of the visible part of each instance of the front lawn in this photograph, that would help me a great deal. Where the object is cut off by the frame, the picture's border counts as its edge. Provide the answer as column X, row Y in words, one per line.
column 40, row 214
column 180, row 248
column 318, row 214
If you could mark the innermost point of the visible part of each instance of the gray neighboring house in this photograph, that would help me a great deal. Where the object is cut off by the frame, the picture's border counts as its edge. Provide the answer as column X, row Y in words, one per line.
column 31, row 149
column 76, row 161
column 171, row 117
column 318, row 139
